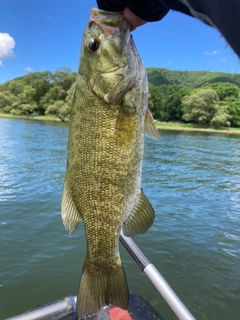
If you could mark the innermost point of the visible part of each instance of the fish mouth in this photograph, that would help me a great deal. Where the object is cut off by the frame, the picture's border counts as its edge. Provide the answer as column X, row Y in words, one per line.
column 108, row 21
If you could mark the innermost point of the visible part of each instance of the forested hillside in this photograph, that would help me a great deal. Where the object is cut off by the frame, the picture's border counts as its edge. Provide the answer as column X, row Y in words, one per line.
column 201, row 97
column 193, row 79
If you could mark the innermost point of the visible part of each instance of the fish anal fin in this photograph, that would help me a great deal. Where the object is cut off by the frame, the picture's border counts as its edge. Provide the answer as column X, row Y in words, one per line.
column 150, row 128
column 141, row 218
column 70, row 215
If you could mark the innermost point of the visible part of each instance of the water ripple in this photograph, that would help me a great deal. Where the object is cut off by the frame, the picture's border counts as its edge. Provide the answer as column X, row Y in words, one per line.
column 191, row 179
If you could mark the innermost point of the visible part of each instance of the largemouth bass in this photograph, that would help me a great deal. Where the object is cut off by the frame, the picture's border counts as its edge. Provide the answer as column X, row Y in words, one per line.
column 105, row 149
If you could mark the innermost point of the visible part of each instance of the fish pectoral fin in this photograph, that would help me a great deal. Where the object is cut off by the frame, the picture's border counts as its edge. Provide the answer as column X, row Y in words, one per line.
column 150, row 128
column 70, row 215
column 130, row 100
column 141, row 218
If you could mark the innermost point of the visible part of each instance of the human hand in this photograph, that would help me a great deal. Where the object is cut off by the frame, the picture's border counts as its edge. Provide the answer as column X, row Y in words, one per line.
column 134, row 20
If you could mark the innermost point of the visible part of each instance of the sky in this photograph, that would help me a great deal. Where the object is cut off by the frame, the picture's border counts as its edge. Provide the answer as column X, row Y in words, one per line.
column 39, row 35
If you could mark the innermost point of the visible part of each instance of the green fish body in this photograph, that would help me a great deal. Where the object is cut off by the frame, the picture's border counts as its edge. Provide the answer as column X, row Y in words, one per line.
column 105, row 149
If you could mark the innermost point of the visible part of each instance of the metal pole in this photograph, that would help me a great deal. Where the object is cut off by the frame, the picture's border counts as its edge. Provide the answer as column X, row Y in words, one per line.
column 156, row 278
column 55, row 310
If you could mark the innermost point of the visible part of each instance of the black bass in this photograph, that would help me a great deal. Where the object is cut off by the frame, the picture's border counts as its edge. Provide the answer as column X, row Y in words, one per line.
column 105, row 149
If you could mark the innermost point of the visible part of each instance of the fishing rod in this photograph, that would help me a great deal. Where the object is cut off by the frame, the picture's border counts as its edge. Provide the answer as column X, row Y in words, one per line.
column 156, row 278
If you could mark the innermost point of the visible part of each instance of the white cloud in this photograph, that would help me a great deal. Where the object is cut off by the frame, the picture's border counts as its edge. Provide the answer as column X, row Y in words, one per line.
column 29, row 69
column 210, row 53
column 7, row 44
column 1, row 64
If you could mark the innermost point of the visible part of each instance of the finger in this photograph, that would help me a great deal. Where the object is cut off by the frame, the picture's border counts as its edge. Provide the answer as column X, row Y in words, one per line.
column 134, row 20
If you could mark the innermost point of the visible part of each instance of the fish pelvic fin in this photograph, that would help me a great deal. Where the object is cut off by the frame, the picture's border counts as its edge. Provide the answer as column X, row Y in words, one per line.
column 141, row 218
column 150, row 128
column 70, row 215
column 101, row 287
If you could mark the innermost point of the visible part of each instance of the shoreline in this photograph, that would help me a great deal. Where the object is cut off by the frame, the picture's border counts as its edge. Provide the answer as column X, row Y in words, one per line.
column 37, row 117
column 194, row 128
column 227, row 131
column 159, row 125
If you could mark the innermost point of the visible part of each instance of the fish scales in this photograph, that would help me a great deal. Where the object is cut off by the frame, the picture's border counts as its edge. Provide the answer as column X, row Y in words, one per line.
column 105, row 148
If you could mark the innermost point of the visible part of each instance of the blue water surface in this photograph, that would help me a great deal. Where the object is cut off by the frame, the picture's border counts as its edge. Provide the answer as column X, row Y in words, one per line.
column 191, row 179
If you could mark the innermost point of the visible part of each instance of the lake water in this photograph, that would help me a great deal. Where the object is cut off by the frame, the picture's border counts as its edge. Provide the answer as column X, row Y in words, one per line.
column 191, row 179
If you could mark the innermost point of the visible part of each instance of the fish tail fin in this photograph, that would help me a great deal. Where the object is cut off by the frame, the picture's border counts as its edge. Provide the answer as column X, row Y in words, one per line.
column 101, row 287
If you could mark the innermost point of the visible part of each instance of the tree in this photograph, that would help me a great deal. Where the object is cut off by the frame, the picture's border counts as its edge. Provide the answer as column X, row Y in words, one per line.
column 192, row 79
column 51, row 93
column 155, row 102
column 229, row 96
column 201, row 108
column 18, row 98
column 221, row 117
column 25, row 103
column 64, row 78
column 233, row 107
column 62, row 81
column 6, row 101
column 225, row 90
column 172, row 101
column 15, row 86
column 36, row 91
column 54, row 94
column 40, row 81
column 60, row 108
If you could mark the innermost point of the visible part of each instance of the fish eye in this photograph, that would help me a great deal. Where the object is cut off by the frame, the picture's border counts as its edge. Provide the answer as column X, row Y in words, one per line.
column 93, row 45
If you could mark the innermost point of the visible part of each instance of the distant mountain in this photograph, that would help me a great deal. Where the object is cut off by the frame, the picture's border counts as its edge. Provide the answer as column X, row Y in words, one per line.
column 194, row 79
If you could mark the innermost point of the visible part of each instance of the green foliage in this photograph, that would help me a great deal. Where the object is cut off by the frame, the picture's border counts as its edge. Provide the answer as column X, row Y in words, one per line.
column 39, row 92
column 224, row 90
column 221, row 117
column 40, row 81
column 155, row 102
column 18, row 99
column 54, row 94
column 229, row 96
column 61, row 108
column 202, row 108
column 225, row 110
column 193, row 79
column 165, row 102
column 172, row 101
column 233, row 107
column 6, row 101
column 64, row 79
column 173, row 95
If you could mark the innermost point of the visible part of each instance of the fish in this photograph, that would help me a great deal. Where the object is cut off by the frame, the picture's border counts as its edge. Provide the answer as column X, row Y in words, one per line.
column 102, row 187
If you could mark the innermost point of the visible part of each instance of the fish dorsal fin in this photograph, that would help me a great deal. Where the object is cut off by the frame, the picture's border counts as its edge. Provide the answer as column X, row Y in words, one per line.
column 150, row 128
column 70, row 215
column 141, row 218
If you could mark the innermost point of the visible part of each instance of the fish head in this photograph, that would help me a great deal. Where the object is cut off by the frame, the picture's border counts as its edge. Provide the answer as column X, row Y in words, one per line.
column 109, row 60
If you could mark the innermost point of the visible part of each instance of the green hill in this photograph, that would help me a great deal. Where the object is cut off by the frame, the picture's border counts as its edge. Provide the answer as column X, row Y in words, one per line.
column 194, row 79
column 200, row 97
